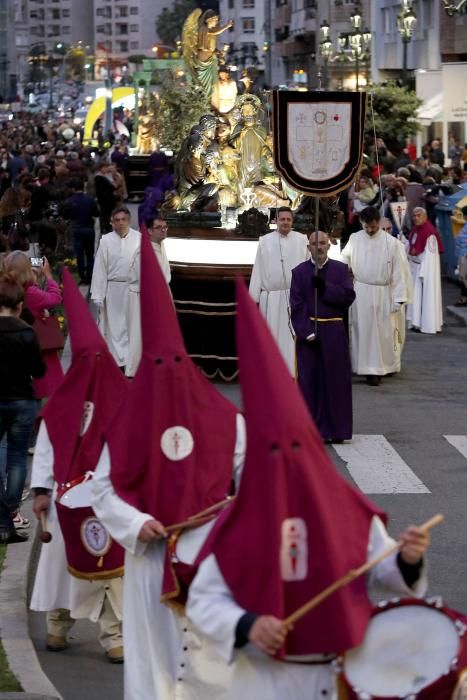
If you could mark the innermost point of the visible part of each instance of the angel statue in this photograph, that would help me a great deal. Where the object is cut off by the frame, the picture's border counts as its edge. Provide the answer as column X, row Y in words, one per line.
column 199, row 44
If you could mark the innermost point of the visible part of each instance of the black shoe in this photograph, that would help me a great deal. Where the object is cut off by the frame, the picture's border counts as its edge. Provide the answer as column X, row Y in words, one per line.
column 13, row 537
column 373, row 380
column 415, row 330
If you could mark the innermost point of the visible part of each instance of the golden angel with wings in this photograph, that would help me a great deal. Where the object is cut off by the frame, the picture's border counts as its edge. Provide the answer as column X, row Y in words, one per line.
column 199, row 43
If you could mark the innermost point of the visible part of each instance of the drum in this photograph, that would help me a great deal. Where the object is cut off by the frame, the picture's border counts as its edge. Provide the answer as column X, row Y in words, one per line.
column 90, row 550
column 413, row 649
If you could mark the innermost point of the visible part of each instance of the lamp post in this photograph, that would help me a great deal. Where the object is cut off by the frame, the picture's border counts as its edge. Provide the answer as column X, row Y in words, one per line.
column 406, row 23
column 325, row 47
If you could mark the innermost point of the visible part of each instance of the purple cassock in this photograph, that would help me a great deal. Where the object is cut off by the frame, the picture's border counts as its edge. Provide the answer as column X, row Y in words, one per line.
column 323, row 364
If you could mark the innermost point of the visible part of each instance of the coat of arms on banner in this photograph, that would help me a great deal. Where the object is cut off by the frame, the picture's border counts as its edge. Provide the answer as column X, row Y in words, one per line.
column 318, row 139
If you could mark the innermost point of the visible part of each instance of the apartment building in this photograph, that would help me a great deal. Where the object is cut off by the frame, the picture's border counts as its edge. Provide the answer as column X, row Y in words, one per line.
column 7, row 52
column 122, row 28
column 296, row 39
column 52, row 21
column 247, row 38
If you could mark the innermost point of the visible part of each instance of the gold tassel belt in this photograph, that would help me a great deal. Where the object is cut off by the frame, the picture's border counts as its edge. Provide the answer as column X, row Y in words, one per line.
column 325, row 320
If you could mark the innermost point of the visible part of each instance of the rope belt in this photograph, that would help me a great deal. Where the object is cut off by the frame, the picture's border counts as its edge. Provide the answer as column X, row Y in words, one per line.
column 312, row 659
column 325, row 320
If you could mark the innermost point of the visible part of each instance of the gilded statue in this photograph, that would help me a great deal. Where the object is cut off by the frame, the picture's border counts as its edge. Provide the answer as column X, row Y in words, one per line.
column 249, row 139
column 199, row 45
column 224, row 93
column 145, row 135
column 218, row 174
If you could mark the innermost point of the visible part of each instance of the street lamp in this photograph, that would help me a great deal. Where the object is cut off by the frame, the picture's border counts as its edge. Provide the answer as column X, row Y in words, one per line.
column 358, row 40
column 325, row 47
column 406, row 23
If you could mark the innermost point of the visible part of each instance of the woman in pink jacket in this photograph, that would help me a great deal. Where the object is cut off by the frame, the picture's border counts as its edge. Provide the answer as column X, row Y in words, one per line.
column 38, row 302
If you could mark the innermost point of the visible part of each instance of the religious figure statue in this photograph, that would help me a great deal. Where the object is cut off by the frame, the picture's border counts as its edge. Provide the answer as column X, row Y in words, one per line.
column 249, row 139
column 218, row 174
column 199, row 44
column 255, row 166
column 224, row 93
column 194, row 191
column 145, row 135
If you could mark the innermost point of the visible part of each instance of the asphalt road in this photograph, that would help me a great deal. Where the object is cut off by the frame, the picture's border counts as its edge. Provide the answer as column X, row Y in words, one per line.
column 413, row 411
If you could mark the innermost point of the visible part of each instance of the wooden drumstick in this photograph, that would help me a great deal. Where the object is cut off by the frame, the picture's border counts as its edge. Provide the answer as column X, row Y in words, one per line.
column 203, row 514
column 355, row 573
column 45, row 536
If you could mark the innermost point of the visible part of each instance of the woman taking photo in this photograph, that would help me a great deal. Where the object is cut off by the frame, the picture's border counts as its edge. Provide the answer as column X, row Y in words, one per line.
column 20, row 359
column 37, row 303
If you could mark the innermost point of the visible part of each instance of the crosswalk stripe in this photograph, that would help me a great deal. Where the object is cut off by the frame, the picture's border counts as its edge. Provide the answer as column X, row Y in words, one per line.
column 376, row 467
column 459, row 442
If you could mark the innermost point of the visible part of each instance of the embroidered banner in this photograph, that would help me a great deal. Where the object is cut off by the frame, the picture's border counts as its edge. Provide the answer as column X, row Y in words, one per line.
column 318, row 139
column 398, row 211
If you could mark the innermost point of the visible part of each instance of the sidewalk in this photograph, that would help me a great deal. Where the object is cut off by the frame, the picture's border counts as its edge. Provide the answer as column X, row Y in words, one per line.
column 14, row 630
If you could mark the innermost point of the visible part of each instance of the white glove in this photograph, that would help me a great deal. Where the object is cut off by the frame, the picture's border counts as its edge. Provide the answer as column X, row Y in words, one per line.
column 396, row 307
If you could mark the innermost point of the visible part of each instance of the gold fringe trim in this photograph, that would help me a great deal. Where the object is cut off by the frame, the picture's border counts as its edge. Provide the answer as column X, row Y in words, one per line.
column 207, row 313
column 97, row 575
column 206, row 303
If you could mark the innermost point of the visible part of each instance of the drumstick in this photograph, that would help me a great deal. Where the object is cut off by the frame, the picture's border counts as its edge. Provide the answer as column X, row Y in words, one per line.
column 202, row 514
column 355, row 573
column 45, row 536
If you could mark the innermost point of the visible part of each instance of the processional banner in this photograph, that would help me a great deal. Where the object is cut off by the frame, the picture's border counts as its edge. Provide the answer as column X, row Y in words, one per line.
column 318, row 139
column 398, row 211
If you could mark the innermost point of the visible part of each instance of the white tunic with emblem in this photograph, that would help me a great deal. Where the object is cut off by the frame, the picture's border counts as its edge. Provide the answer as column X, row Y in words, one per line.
column 228, row 673
column 54, row 587
column 270, row 285
column 109, row 289
column 163, row 655
column 134, row 310
column 379, row 283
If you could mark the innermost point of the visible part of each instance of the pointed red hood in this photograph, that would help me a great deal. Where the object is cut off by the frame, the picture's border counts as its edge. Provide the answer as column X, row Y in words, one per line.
column 296, row 525
column 94, row 379
column 172, row 443
column 82, row 329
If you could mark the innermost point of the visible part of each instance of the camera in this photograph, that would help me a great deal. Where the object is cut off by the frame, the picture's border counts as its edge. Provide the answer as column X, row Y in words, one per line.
column 36, row 262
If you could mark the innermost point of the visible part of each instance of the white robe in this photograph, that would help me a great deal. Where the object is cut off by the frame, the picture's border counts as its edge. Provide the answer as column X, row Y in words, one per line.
column 162, row 653
column 247, row 672
column 379, row 283
column 134, row 311
column 270, row 285
column 398, row 318
column 109, row 289
column 54, row 587
column 426, row 312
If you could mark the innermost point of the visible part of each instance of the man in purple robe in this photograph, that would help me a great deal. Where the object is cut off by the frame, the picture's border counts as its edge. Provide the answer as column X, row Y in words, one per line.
column 319, row 299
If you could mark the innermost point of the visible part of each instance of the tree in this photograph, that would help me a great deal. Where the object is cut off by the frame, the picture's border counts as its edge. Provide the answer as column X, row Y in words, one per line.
column 395, row 114
column 169, row 23
column 180, row 106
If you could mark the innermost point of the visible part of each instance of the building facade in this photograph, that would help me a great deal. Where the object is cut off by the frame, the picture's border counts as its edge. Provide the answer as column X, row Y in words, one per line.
column 7, row 52
column 121, row 29
column 245, row 42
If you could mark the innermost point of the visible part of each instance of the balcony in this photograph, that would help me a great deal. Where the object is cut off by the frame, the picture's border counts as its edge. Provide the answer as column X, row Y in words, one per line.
column 281, row 16
column 303, row 21
column 293, row 47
